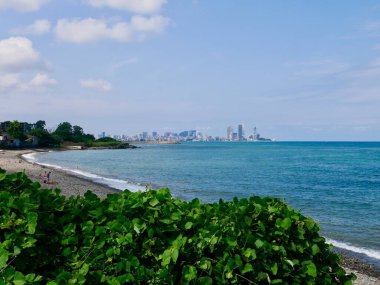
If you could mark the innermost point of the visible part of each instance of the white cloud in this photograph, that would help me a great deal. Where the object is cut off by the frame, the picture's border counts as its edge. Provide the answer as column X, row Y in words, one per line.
column 22, row 5
column 98, row 84
column 18, row 59
column 9, row 81
column 137, row 6
column 92, row 30
column 39, row 27
column 15, row 83
column 42, row 81
column 155, row 24
column 17, row 53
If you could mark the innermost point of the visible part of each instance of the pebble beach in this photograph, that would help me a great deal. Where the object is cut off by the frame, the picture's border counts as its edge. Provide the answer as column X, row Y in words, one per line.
column 71, row 185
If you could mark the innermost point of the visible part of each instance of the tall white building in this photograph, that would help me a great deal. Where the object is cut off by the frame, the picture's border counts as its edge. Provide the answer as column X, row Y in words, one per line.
column 230, row 131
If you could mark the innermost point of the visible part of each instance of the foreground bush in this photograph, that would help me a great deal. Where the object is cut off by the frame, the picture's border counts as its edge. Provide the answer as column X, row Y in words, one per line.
column 152, row 238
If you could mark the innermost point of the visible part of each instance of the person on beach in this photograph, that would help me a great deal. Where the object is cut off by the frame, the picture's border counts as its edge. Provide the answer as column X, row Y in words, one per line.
column 48, row 177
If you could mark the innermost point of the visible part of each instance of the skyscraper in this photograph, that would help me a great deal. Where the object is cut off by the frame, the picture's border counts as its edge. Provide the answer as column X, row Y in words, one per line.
column 240, row 132
column 230, row 130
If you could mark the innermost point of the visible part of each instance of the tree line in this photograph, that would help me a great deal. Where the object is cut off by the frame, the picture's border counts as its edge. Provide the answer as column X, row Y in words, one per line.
column 65, row 132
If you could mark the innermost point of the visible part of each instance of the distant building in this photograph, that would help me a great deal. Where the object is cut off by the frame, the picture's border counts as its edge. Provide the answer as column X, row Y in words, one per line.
column 240, row 132
column 184, row 134
column 230, row 130
column 235, row 136
column 102, row 135
column 192, row 133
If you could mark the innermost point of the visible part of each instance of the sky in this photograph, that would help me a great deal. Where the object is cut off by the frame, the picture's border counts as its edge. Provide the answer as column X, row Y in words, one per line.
column 297, row 70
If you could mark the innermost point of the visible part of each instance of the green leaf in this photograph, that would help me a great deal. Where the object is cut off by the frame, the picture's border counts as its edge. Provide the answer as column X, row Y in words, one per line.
column 274, row 268
column 109, row 252
column 189, row 272
column 259, row 243
column 19, row 279
column 286, row 223
column 231, row 242
column 311, row 269
column 204, row 281
column 315, row 249
column 247, row 268
column 84, row 269
column 188, row 225
column 32, row 222
column 4, row 255
column 153, row 202
column 250, row 253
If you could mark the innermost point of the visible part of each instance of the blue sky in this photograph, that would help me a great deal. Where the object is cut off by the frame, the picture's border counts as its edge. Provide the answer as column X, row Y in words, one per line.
column 297, row 70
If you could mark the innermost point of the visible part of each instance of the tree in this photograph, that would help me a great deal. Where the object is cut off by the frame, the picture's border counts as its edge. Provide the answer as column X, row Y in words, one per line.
column 15, row 131
column 64, row 131
column 78, row 134
column 40, row 125
column 45, row 139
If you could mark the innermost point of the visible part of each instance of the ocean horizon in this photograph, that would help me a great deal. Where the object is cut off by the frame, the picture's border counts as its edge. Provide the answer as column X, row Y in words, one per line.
column 336, row 183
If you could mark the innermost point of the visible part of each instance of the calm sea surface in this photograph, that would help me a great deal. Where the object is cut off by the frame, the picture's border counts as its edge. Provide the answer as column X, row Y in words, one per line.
column 337, row 183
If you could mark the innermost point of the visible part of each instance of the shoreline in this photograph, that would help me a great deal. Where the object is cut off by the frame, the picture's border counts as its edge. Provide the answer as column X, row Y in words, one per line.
column 69, row 184
column 73, row 185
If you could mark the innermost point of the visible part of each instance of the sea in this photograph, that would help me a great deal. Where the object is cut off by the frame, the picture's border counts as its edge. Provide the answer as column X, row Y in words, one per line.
column 336, row 183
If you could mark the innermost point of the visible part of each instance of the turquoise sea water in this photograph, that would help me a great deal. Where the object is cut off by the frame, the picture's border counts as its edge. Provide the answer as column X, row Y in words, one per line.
column 337, row 183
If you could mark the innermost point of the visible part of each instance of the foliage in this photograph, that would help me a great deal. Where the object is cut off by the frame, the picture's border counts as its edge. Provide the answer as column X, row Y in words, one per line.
column 16, row 131
column 107, row 139
column 64, row 131
column 152, row 238
column 45, row 139
column 98, row 143
column 40, row 125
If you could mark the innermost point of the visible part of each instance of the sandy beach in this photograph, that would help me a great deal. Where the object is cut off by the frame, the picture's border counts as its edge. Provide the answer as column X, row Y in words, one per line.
column 70, row 185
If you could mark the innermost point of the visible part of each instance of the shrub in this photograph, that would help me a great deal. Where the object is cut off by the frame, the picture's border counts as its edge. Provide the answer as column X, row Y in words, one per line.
column 152, row 238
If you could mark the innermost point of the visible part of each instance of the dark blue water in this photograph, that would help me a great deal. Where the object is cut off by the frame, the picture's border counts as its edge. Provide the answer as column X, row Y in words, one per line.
column 337, row 183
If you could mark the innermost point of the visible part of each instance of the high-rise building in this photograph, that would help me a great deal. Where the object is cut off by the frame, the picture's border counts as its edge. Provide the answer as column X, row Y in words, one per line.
column 230, row 130
column 240, row 132
column 254, row 134
column 192, row 133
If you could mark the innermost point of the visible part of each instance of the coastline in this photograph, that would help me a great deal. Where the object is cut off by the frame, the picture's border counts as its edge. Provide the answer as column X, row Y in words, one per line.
column 70, row 184
column 73, row 185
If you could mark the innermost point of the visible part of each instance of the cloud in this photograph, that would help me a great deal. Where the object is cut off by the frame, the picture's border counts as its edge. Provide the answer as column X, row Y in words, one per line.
column 15, row 83
column 18, row 62
column 22, row 5
column 93, row 30
column 42, row 81
column 17, row 53
column 9, row 81
column 98, row 84
column 155, row 24
column 136, row 6
column 39, row 27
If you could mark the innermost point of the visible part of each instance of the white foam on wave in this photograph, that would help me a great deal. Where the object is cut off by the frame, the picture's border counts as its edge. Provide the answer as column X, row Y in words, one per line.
column 366, row 251
column 30, row 157
column 111, row 182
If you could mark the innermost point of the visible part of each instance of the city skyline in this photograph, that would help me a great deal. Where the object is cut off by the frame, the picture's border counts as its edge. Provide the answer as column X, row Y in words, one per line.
column 300, row 71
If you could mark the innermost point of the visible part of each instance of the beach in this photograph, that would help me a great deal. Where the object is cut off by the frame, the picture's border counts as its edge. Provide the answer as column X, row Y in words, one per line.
column 70, row 185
